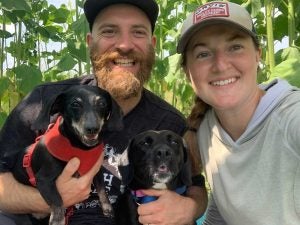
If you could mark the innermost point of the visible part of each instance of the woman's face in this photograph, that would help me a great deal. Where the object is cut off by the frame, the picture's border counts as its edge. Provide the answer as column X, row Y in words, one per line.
column 221, row 63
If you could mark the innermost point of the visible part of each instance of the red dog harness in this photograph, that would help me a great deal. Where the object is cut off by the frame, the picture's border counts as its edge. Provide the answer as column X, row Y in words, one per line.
column 61, row 148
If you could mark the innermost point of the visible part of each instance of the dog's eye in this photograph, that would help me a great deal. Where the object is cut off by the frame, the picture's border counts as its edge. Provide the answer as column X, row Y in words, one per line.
column 101, row 104
column 75, row 104
column 174, row 142
column 147, row 142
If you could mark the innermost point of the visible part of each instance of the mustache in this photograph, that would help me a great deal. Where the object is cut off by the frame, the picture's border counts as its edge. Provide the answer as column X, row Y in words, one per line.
column 101, row 61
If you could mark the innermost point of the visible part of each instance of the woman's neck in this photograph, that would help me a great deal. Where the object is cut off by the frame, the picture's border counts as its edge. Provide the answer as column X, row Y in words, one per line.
column 236, row 121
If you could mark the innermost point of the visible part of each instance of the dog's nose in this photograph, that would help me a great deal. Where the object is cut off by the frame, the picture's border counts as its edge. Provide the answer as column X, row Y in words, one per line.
column 163, row 153
column 92, row 130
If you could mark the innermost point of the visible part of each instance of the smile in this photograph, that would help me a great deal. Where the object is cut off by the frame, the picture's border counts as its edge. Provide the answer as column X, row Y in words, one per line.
column 223, row 82
column 124, row 62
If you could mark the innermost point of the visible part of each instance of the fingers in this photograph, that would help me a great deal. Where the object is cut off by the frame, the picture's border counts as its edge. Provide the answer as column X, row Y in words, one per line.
column 153, row 192
column 71, row 167
column 74, row 189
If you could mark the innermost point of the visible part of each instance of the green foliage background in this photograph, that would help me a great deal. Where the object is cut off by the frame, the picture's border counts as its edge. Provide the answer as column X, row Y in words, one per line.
column 29, row 29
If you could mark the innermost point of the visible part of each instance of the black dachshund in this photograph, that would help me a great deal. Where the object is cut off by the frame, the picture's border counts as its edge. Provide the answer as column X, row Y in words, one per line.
column 84, row 111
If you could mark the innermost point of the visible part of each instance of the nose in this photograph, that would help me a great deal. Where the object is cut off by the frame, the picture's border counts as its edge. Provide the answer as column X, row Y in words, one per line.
column 125, row 43
column 92, row 129
column 221, row 61
column 163, row 153
column 92, row 124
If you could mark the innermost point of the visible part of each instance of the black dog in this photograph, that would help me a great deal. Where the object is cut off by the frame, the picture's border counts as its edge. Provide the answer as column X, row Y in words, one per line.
column 157, row 159
column 84, row 111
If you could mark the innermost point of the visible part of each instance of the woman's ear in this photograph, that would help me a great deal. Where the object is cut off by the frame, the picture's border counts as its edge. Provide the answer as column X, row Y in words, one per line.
column 258, row 55
column 187, row 74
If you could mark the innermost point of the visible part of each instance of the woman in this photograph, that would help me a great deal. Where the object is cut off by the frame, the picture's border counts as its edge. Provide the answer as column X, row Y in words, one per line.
column 248, row 134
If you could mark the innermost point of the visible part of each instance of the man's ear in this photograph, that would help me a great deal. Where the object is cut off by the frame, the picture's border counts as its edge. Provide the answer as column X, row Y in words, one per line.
column 153, row 41
column 89, row 39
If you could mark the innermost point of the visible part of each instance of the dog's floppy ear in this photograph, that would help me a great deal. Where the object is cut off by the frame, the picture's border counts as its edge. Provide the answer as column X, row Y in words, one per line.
column 50, row 107
column 186, row 172
column 115, row 118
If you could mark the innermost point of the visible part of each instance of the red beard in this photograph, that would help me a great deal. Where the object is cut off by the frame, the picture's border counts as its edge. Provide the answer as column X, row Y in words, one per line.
column 124, row 84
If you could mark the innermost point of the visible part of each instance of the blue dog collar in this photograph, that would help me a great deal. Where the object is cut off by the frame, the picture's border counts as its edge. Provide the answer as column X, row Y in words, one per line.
column 141, row 198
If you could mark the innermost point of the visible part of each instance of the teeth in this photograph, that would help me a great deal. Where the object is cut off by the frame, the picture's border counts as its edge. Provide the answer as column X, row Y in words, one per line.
column 124, row 62
column 223, row 82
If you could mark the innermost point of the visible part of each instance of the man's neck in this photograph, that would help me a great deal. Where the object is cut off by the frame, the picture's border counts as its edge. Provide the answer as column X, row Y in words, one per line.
column 128, row 104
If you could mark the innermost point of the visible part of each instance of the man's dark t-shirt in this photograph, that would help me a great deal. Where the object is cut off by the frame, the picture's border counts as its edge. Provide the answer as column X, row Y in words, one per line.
column 151, row 113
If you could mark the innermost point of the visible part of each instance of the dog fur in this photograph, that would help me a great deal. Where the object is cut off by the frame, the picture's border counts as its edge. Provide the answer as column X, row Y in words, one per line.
column 157, row 159
column 85, row 110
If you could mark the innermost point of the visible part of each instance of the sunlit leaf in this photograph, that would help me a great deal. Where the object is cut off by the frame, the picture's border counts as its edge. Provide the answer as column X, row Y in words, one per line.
column 27, row 78
column 289, row 70
column 16, row 5
column 66, row 63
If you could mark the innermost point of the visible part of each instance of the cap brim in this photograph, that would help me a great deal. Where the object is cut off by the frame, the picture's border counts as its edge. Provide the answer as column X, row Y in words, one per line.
column 182, row 44
column 93, row 7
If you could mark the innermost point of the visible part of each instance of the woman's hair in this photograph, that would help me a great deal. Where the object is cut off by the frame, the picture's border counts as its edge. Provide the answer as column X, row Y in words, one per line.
column 193, row 122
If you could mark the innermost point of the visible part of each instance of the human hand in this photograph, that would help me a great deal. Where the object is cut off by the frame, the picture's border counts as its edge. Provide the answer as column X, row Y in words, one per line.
column 76, row 189
column 170, row 208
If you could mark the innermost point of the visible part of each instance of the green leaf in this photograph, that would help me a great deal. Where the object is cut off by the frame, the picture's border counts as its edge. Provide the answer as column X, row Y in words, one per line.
column 43, row 32
column 66, row 63
column 15, row 5
column 5, row 34
column 288, row 69
column 59, row 16
column 77, row 50
column 291, row 53
column 4, row 84
column 3, row 117
column 27, row 78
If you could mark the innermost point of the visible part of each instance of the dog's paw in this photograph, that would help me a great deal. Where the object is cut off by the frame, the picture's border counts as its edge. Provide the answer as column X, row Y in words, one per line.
column 107, row 210
column 57, row 216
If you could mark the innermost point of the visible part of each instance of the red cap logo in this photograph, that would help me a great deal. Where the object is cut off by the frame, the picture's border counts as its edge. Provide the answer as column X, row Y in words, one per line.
column 215, row 9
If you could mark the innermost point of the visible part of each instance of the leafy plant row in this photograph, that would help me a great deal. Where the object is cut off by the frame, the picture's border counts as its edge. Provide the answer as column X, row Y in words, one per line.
column 40, row 42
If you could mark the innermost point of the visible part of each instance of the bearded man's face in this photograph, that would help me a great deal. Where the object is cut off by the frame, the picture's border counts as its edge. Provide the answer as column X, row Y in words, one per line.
column 114, row 74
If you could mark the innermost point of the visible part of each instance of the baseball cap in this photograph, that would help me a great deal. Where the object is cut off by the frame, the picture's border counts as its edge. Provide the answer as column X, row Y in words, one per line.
column 93, row 7
column 215, row 12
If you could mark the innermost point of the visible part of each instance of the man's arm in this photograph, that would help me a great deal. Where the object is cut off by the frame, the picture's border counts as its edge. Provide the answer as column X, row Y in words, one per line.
column 18, row 198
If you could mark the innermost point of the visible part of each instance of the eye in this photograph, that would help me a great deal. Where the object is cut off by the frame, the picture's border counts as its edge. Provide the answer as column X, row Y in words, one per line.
column 147, row 142
column 235, row 47
column 101, row 104
column 139, row 33
column 202, row 55
column 76, row 104
column 174, row 142
column 108, row 32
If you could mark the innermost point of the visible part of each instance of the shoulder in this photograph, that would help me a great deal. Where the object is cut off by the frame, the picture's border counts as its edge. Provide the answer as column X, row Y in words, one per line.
column 63, row 84
column 156, row 109
column 160, row 104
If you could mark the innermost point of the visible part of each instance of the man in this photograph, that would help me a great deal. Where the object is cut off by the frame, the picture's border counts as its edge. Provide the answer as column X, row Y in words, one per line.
column 122, row 44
